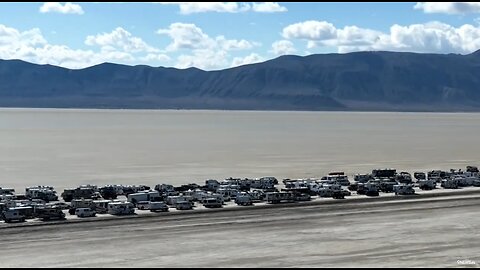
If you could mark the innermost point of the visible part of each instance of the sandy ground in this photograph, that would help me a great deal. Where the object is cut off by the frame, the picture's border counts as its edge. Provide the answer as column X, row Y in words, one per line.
column 67, row 148
column 424, row 232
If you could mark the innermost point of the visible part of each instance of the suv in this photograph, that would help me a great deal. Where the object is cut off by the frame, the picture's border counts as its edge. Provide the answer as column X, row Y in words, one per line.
column 143, row 205
column 49, row 213
column 12, row 215
column 184, row 205
column 158, row 207
column 85, row 212
column 212, row 203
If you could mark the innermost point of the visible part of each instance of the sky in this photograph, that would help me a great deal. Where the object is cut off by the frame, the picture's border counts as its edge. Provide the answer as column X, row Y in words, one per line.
column 219, row 35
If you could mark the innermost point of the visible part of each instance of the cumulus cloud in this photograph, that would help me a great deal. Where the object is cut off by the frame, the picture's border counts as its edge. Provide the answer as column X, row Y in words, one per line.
column 282, row 47
column 226, row 7
column 205, row 52
column 190, row 36
column 233, row 44
column 155, row 57
column 204, row 59
column 31, row 46
column 268, row 7
column 67, row 8
column 11, row 36
column 311, row 30
column 198, row 7
column 186, row 36
column 249, row 59
column 119, row 39
column 448, row 7
column 194, row 47
column 432, row 37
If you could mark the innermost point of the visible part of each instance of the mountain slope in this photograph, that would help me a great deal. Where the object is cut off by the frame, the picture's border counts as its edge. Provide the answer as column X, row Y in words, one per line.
column 353, row 81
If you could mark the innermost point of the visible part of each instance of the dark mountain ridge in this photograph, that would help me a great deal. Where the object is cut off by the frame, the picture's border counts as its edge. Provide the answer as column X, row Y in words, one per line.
column 394, row 81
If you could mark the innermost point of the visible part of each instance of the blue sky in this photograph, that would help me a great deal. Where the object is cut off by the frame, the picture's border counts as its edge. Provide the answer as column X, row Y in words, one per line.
column 222, row 35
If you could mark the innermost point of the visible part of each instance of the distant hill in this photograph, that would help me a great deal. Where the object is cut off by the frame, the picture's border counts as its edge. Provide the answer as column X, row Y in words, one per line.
column 394, row 81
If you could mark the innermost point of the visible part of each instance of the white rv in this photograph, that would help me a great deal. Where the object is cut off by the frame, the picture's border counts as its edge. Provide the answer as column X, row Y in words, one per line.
column 7, row 191
column 45, row 193
column 101, row 206
column 143, row 196
column 327, row 190
column 277, row 197
column 228, row 193
column 174, row 200
column 80, row 203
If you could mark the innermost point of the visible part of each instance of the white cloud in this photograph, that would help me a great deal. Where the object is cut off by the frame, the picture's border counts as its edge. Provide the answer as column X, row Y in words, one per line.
column 233, row 44
column 432, row 37
column 9, row 37
column 282, row 47
column 155, row 57
column 67, row 8
column 226, row 7
column 353, row 35
column 204, row 59
column 198, row 7
column 120, row 46
column 312, row 30
column 32, row 46
column 186, row 36
column 268, row 7
column 249, row 59
column 205, row 52
column 119, row 39
column 448, row 7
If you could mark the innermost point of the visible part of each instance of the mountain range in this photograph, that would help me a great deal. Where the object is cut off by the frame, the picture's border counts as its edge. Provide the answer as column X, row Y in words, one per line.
column 377, row 80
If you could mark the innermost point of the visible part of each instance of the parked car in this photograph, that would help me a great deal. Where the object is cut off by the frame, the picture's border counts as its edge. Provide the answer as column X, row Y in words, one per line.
column 184, row 205
column 61, row 205
column 143, row 205
column 49, row 213
column 85, row 212
column 12, row 214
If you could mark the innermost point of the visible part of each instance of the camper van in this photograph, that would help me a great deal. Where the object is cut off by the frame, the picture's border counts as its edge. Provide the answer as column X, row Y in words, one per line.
column 144, row 196
column 80, row 203
column 101, row 206
column 278, row 197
